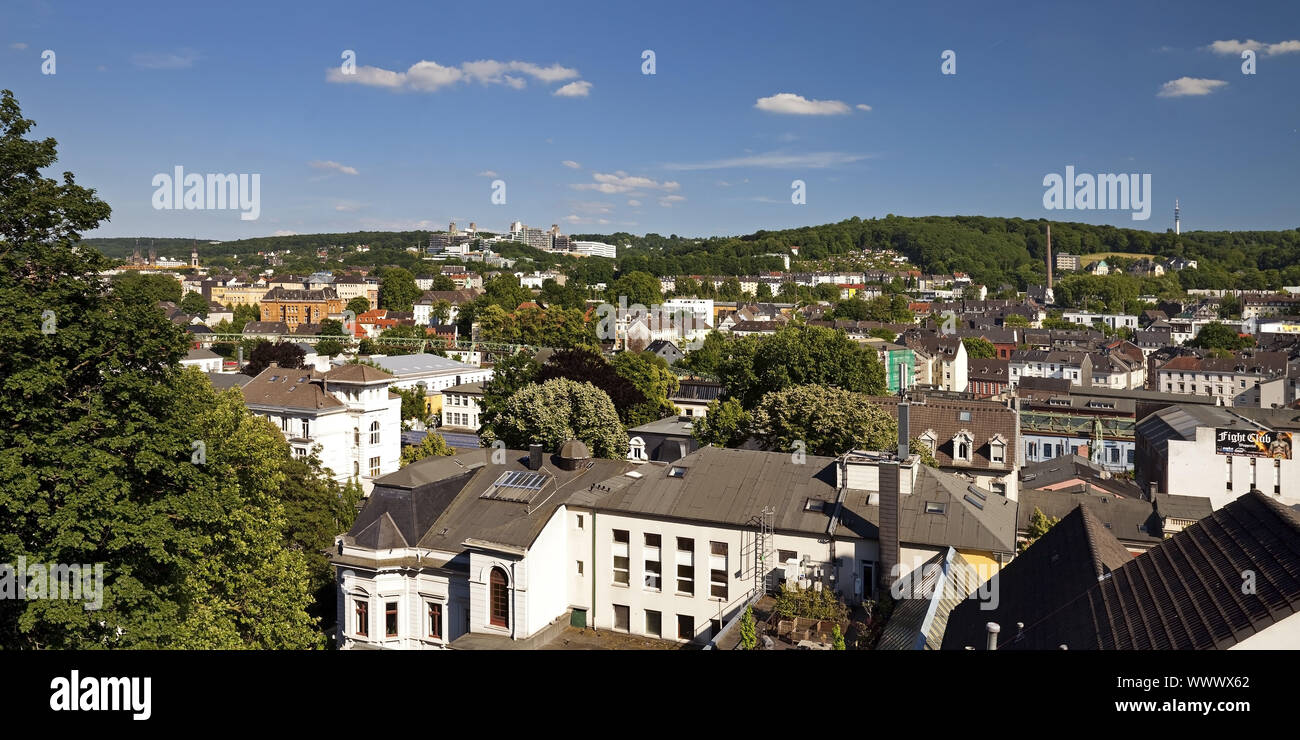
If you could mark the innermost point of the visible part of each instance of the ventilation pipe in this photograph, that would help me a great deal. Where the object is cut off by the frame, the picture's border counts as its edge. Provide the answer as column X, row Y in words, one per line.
column 993, row 630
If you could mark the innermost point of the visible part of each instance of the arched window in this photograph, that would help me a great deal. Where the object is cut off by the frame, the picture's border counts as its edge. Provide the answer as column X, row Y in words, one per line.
column 636, row 449
column 374, row 432
column 498, row 598
column 356, row 436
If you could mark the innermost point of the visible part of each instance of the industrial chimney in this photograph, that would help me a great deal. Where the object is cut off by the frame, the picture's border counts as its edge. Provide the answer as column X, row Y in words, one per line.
column 534, row 456
column 904, row 433
column 1049, row 256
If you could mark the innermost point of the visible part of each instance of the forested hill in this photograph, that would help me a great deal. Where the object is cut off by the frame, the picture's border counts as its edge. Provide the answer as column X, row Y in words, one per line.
column 991, row 250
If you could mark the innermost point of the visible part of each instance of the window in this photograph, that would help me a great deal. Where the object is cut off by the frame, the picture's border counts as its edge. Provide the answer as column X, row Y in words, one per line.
column 499, row 599
column 390, row 619
column 374, row 432
column 997, row 451
column 718, row 570
column 654, row 623
column 306, row 429
column 998, row 486
column 579, row 521
column 1131, row 455
column 621, row 618
column 579, row 562
column 374, row 467
column 356, row 436
column 685, row 566
column 685, row 627
column 621, row 559
column 284, row 423
column 1033, row 450
column 636, row 449
column 363, row 618
column 435, row 621
column 785, row 556
column 935, row 507
column 653, row 564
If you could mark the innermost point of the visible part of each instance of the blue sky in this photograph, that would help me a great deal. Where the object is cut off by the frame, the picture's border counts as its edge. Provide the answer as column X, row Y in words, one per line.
column 747, row 97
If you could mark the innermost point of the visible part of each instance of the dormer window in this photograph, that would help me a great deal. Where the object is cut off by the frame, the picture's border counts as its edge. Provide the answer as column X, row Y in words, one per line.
column 962, row 445
column 929, row 439
column 997, row 449
column 636, row 449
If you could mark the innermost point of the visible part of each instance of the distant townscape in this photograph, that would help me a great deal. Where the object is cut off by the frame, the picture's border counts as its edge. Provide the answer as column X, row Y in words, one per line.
column 798, row 439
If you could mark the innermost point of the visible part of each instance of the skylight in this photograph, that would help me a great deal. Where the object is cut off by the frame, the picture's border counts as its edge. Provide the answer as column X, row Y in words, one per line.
column 517, row 485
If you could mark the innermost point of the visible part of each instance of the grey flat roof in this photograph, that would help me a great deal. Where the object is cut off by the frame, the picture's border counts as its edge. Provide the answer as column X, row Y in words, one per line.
column 400, row 365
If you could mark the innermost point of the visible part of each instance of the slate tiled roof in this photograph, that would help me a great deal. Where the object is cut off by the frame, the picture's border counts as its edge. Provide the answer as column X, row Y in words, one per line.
column 944, row 418
column 296, row 388
column 1184, row 594
column 1039, row 584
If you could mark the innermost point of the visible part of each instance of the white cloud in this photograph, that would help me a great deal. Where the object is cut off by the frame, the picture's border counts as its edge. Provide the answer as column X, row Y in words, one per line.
column 182, row 59
column 427, row 76
column 571, row 164
column 400, row 225
column 774, row 160
column 668, row 200
column 621, row 182
column 1233, row 47
column 862, row 106
column 18, row 45
column 634, row 203
column 578, row 89
column 594, row 207
column 332, row 165
column 347, row 207
column 487, row 173
column 792, row 104
column 1189, row 86
column 284, row 232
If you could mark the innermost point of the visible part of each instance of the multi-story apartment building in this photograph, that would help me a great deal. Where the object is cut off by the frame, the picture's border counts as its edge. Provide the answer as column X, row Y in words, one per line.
column 484, row 548
column 1231, row 381
column 346, row 413
column 1264, row 306
column 433, row 375
column 295, row 307
column 462, row 406
column 1199, row 450
column 1074, row 366
column 238, row 294
column 1112, row 320
column 594, row 249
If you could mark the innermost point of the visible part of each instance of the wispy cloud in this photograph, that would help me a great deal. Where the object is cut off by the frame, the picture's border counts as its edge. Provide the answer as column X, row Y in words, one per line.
column 1233, row 47
column 332, row 165
column 487, row 173
column 180, row 59
column 862, row 106
column 621, row 182
column 18, row 45
column 579, row 89
column 427, row 76
column 284, row 232
column 347, row 207
column 571, row 164
column 669, row 200
column 791, row 104
column 1189, row 86
column 774, row 160
column 634, row 203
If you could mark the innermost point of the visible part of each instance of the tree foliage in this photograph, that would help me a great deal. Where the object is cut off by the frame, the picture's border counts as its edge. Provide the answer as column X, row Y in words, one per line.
column 756, row 365
column 553, row 412
column 285, row 354
column 432, row 445
column 827, row 421
column 98, row 461
column 726, row 424
column 979, row 348
column 1039, row 524
column 748, row 630
column 398, row 291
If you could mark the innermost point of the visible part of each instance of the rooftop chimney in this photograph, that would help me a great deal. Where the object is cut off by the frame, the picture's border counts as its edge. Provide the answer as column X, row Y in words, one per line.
column 904, row 433
column 993, row 629
column 890, row 505
column 534, row 456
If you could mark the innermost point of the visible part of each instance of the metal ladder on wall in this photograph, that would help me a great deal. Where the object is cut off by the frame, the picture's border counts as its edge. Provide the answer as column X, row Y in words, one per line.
column 762, row 550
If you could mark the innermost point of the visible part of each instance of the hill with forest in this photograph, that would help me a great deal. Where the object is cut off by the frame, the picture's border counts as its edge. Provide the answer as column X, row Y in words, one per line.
column 993, row 251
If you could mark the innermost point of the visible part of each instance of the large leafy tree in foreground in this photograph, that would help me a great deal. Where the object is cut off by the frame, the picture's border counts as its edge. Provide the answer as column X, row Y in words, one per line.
column 110, row 455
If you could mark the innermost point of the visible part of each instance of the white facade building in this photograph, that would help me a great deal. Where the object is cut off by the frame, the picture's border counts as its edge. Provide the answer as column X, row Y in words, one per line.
column 346, row 413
